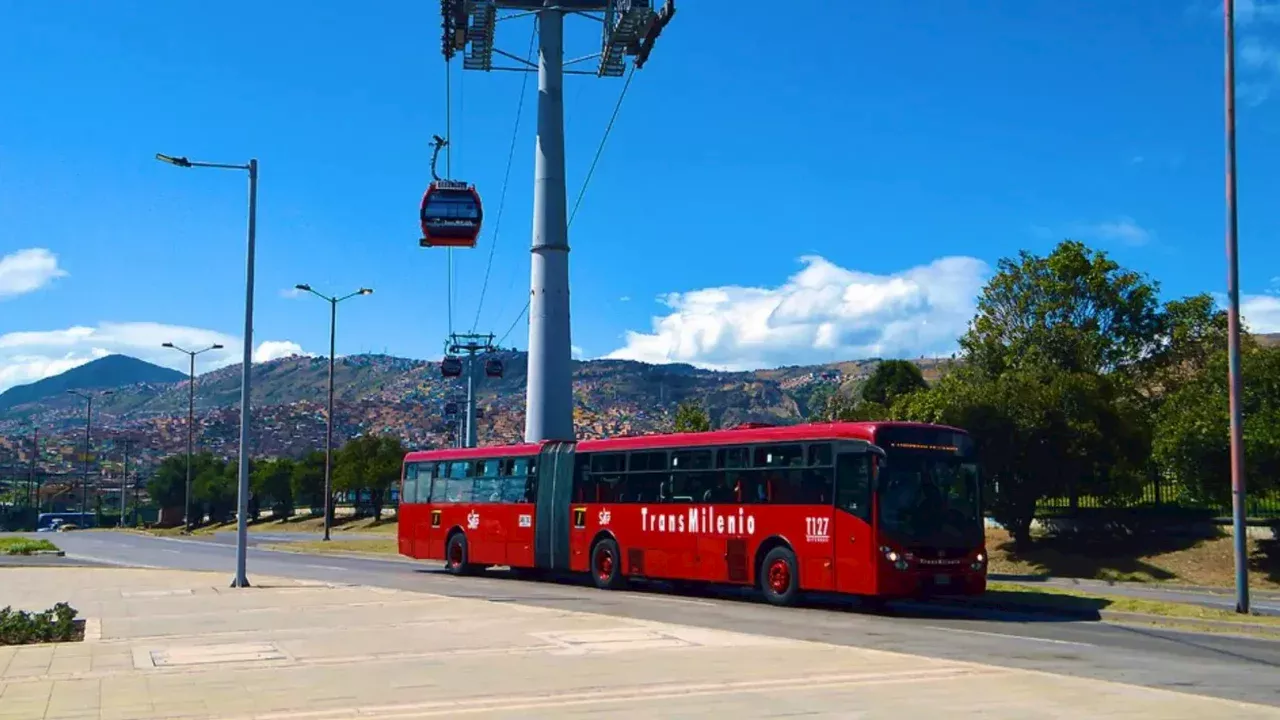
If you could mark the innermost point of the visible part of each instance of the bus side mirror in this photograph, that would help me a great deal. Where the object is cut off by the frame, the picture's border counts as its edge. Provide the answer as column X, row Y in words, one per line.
column 881, row 457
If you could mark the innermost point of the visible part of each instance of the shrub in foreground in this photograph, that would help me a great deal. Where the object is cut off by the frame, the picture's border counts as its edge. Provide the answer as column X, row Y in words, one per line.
column 57, row 624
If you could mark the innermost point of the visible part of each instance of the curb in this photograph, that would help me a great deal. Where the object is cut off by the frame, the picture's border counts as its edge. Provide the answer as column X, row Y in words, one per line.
column 55, row 553
column 1117, row 616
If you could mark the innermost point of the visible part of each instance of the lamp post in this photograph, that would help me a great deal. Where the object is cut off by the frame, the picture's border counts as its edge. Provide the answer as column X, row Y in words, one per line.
column 328, row 435
column 33, row 494
column 1238, row 505
column 242, row 504
column 88, row 424
column 191, row 421
column 124, row 479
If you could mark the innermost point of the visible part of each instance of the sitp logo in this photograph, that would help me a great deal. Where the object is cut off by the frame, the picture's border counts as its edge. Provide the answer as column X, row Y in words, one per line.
column 604, row 517
column 473, row 520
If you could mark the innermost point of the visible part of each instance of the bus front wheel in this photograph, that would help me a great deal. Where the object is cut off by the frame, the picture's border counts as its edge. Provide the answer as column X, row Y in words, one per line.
column 778, row 577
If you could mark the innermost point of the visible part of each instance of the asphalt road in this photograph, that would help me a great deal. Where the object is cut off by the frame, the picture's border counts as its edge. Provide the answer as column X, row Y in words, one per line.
column 1209, row 664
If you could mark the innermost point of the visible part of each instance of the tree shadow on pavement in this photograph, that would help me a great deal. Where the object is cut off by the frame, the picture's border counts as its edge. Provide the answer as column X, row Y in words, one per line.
column 1143, row 556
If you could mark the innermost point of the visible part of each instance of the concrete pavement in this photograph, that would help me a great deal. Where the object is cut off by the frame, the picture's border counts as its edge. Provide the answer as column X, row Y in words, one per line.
column 174, row 644
column 1209, row 664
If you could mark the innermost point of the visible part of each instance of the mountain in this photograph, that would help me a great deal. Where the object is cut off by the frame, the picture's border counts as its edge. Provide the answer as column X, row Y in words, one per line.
column 403, row 397
column 110, row 372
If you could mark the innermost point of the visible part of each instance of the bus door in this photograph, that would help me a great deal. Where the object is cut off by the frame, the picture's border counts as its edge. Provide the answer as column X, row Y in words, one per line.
column 428, row 536
column 853, row 537
column 519, row 490
column 551, row 514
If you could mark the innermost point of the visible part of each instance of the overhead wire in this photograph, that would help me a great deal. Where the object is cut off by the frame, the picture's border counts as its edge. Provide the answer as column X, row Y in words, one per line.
column 586, row 181
column 448, row 171
column 502, row 200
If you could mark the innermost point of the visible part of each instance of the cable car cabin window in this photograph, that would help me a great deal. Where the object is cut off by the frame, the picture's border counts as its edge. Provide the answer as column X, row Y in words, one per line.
column 447, row 205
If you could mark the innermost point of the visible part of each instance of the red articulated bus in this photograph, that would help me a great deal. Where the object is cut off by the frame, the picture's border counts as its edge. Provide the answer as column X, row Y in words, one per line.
column 881, row 510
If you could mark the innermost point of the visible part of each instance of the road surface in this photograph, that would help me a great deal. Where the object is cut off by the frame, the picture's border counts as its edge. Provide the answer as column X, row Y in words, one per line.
column 1209, row 664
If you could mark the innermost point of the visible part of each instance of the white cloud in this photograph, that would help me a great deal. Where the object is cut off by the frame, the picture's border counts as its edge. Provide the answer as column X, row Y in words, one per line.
column 821, row 313
column 29, row 356
column 1261, row 313
column 291, row 293
column 625, row 298
column 276, row 349
column 1124, row 229
column 28, row 270
column 576, row 352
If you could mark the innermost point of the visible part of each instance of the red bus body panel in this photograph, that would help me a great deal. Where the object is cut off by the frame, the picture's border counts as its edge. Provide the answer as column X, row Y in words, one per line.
column 835, row 550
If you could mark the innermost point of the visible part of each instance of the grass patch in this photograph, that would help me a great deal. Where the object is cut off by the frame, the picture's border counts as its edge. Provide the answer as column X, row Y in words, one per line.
column 24, row 546
column 1073, row 600
column 1152, row 559
column 379, row 546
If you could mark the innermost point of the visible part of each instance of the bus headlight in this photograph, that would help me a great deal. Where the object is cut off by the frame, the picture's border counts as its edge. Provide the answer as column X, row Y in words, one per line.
column 893, row 557
column 981, row 558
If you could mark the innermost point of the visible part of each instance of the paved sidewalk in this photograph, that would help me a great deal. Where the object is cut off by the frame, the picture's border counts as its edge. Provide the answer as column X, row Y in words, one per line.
column 169, row 644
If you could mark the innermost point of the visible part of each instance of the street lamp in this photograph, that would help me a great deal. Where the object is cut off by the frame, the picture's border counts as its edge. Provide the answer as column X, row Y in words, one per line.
column 242, row 504
column 191, row 421
column 88, row 424
column 328, row 439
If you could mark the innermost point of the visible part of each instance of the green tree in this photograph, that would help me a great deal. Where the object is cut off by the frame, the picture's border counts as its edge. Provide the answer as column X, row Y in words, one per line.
column 1192, row 440
column 214, row 486
column 369, row 463
column 272, row 482
column 1049, row 381
column 892, row 379
column 692, row 417
column 168, row 484
column 307, row 480
column 1075, row 310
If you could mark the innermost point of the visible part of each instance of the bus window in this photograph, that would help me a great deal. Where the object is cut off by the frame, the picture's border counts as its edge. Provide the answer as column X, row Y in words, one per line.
column 853, row 484
column 489, row 468
column 409, row 486
column 739, row 457
column 778, row 456
column 486, row 490
column 426, row 478
column 820, row 455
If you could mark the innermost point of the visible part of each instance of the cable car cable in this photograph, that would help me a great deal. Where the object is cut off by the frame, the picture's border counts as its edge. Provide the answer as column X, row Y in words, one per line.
column 586, row 181
column 502, row 199
column 448, row 171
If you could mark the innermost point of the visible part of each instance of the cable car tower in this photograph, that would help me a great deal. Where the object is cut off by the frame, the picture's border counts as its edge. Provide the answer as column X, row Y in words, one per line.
column 630, row 28
column 452, row 366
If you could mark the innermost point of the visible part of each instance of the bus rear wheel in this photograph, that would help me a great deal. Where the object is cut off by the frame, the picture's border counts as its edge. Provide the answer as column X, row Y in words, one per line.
column 778, row 577
column 456, row 556
column 606, row 565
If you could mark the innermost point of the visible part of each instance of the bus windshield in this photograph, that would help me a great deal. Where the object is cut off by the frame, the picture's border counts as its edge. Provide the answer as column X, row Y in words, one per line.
column 930, row 499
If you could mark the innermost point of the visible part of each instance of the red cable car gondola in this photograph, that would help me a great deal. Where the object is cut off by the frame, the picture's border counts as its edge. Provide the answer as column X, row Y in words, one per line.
column 451, row 367
column 493, row 368
column 450, row 214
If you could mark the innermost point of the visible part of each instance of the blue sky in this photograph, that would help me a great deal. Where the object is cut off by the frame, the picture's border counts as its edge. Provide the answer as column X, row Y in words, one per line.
column 833, row 190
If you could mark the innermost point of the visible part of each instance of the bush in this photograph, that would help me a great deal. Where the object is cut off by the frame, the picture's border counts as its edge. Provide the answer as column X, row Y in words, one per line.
column 57, row 624
column 23, row 546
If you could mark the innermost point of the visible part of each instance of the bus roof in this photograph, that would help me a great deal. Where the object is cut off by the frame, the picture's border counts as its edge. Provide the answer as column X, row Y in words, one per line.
column 749, row 433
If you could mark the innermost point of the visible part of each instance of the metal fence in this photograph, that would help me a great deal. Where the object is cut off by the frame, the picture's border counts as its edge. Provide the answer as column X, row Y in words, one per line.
column 1163, row 497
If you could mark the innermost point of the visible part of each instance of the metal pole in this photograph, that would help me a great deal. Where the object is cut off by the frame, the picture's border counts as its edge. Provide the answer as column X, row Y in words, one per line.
column 191, row 423
column 328, row 433
column 124, row 481
column 242, row 506
column 84, row 482
column 470, row 436
column 32, row 492
column 549, row 391
column 1233, row 326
